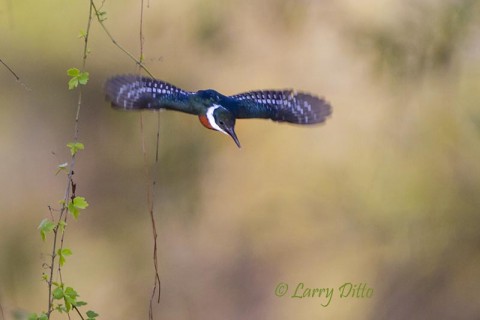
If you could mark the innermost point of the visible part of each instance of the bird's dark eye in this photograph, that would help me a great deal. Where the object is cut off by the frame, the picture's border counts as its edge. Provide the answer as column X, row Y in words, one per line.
column 221, row 122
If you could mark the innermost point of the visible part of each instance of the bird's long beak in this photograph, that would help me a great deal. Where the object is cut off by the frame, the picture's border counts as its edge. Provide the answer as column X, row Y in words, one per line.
column 231, row 133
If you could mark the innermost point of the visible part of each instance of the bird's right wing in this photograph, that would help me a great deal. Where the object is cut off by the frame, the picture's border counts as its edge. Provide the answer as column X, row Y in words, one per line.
column 131, row 92
column 282, row 106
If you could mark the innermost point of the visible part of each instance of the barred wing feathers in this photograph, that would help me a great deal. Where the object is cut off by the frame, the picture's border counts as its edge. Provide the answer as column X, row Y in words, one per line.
column 283, row 106
column 136, row 92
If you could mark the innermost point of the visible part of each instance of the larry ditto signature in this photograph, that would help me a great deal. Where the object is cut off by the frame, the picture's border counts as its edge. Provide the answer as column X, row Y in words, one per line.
column 346, row 290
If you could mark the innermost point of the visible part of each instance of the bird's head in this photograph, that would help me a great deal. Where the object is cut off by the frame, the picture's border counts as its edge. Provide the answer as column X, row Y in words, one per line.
column 220, row 119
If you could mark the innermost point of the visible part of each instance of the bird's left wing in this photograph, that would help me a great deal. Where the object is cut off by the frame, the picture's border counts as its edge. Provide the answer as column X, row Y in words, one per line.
column 133, row 92
column 283, row 106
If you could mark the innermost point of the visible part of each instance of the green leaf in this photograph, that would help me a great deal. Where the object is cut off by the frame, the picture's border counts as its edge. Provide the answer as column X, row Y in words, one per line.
column 80, row 202
column 58, row 293
column 92, row 314
column 82, row 34
column 43, row 316
column 62, row 253
column 81, row 303
column 75, row 146
column 60, row 308
column 70, row 298
column 45, row 227
column 68, row 306
column 77, row 204
column 83, row 78
column 77, row 77
column 73, row 72
column 74, row 211
column 33, row 316
column 62, row 167
column 70, row 292
column 72, row 83
column 66, row 252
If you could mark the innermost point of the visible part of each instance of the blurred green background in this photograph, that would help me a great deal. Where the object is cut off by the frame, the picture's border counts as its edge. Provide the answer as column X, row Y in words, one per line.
column 386, row 193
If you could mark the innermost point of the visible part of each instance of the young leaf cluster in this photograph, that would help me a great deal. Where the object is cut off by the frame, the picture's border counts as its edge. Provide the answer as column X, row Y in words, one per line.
column 45, row 227
column 41, row 316
column 77, row 204
column 74, row 148
column 66, row 296
column 77, row 77
column 68, row 300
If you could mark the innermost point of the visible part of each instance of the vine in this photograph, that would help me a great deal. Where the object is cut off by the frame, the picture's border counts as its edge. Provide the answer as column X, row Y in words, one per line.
column 157, row 285
column 61, row 297
column 101, row 17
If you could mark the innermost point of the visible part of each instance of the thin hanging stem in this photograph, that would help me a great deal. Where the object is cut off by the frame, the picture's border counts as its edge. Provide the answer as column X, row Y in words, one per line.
column 150, row 180
column 105, row 29
column 70, row 185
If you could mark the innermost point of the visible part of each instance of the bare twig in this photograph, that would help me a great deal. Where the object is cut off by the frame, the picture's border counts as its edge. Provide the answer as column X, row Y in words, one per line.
column 50, row 279
column 10, row 69
column 15, row 75
column 150, row 184
column 138, row 62
column 78, row 311
column 158, row 140
column 149, row 191
column 142, row 39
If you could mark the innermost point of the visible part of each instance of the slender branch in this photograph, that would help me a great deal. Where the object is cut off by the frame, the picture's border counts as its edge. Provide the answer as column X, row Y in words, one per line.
column 138, row 62
column 70, row 184
column 142, row 39
column 61, row 247
column 78, row 311
column 50, row 278
column 149, row 191
column 15, row 75
column 141, row 65
column 150, row 180
column 158, row 140
column 10, row 69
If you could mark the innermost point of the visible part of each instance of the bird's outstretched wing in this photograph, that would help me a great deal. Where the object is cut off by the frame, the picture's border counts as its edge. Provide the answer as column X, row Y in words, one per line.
column 136, row 92
column 284, row 106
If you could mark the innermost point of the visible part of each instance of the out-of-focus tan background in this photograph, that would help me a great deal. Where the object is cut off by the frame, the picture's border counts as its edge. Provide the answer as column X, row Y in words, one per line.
column 386, row 193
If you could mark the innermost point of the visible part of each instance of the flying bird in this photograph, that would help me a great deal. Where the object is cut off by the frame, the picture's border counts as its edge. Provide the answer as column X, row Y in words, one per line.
column 215, row 110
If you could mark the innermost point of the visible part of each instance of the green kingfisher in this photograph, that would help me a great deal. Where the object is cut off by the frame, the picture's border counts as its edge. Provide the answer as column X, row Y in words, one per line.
column 215, row 110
